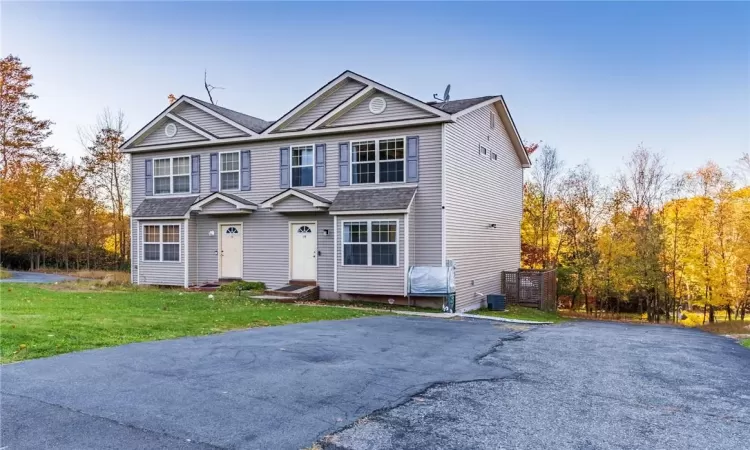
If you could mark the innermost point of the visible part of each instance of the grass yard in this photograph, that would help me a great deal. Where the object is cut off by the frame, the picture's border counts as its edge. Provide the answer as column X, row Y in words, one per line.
column 745, row 343
column 4, row 274
column 37, row 321
column 523, row 313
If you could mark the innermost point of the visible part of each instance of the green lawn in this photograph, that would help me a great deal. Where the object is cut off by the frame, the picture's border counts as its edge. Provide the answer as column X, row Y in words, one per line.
column 39, row 321
column 523, row 313
column 4, row 274
column 745, row 343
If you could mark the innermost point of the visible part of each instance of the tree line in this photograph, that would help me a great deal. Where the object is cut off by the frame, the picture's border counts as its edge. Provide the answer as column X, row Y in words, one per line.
column 646, row 241
column 56, row 212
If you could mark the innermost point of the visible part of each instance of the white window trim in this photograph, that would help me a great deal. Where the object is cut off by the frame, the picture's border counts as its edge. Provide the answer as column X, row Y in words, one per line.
column 239, row 171
column 486, row 152
column 493, row 120
column 172, row 175
column 161, row 242
column 369, row 242
column 292, row 166
column 377, row 161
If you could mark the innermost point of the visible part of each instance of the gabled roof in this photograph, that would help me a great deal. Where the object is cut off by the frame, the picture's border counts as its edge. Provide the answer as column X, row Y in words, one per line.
column 315, row 200
column 238, row 202
column 253, row 123
column 370, row 85
column 391, row 200
column 165, row 207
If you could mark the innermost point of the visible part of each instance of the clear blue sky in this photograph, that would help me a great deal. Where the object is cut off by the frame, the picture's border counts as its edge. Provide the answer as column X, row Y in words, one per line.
column 593, row 79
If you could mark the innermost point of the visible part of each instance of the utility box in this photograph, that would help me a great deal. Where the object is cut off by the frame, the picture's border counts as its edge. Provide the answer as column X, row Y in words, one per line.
column 496, row 302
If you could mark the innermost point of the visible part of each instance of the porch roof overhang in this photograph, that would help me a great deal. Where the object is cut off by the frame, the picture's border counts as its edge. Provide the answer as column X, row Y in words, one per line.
column 164, row 207
column 241, row 205
column 316, row 201
column 373, row 201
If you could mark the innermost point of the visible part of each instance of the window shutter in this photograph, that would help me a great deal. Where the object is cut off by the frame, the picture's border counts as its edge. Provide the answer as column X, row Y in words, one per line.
column 149, row 176
column 214, row 172
column 412, row 159
column 245, row 170
column 320, row 165
column 344, row 164
column 195, row 173
column 284, row 167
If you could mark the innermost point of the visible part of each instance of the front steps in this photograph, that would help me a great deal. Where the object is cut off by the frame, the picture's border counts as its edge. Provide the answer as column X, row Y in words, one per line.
column 292, row 293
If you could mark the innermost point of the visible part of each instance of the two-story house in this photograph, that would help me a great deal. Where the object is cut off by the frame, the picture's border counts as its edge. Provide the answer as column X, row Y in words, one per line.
column 347, row 190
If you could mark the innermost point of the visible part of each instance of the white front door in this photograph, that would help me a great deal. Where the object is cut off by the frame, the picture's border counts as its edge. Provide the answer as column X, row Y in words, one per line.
column 230, row 251
column 304, row 251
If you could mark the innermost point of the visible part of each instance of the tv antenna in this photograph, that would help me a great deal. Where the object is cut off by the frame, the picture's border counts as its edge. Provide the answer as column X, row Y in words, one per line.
column 446, row 95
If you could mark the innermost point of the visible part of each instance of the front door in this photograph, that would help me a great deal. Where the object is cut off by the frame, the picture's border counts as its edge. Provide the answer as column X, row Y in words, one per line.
column 304, row 251
column 230, row 251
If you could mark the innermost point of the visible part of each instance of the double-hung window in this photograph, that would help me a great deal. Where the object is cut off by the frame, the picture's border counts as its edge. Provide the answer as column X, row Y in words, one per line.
column 172, row 175
column 303, row 165
column 370, row 243
column 378, row 161
column 229, row 171
column 161, row 242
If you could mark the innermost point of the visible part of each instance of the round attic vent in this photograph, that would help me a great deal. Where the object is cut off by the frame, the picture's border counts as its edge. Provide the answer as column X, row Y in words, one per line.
column 377, row 105
column 170, row 130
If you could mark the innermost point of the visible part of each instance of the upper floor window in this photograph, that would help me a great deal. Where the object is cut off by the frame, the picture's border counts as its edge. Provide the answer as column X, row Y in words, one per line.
column 483, row 150
column 172, row 175
column 378, row 161
column 492, row 121
column 303, row 165
column 229, row 170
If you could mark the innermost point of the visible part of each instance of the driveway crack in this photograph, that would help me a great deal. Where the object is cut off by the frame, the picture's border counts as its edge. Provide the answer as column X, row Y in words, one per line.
column 117, row 422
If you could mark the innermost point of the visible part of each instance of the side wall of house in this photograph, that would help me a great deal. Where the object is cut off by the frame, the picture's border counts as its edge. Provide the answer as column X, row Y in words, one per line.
column 481, row 191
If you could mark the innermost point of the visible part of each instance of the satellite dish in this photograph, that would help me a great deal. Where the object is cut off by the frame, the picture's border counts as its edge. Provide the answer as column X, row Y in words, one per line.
column 446, row 95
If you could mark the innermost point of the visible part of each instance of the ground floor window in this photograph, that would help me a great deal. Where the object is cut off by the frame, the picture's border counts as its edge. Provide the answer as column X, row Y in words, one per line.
column 161, row 242
column 370, row 243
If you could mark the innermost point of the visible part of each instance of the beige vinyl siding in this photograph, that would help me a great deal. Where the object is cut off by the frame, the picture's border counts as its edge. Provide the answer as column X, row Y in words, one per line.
column 266, row 256
column 158, row 136
column 325, row 104
column 162, row 273
column 395, row 110
column 293, row 204
column 374, row 280
column 480, row 192
column 218, row 206
column 207, row 122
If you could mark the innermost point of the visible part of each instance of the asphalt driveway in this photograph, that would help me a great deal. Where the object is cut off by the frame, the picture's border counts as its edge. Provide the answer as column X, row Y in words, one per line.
column 583, row 385
column 265, row 388
column 35, row 277
column 390, row 383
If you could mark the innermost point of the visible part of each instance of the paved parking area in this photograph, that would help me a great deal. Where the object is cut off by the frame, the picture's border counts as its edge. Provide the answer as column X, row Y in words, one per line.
column 582, row 385
column 390, row 383
column 277, row 387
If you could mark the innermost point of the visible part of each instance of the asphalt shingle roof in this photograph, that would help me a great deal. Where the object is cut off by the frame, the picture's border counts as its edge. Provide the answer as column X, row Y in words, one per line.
column 165, row 207
column 236, row 198
column 250, row 122
column 454, row 106
column 373, row 199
